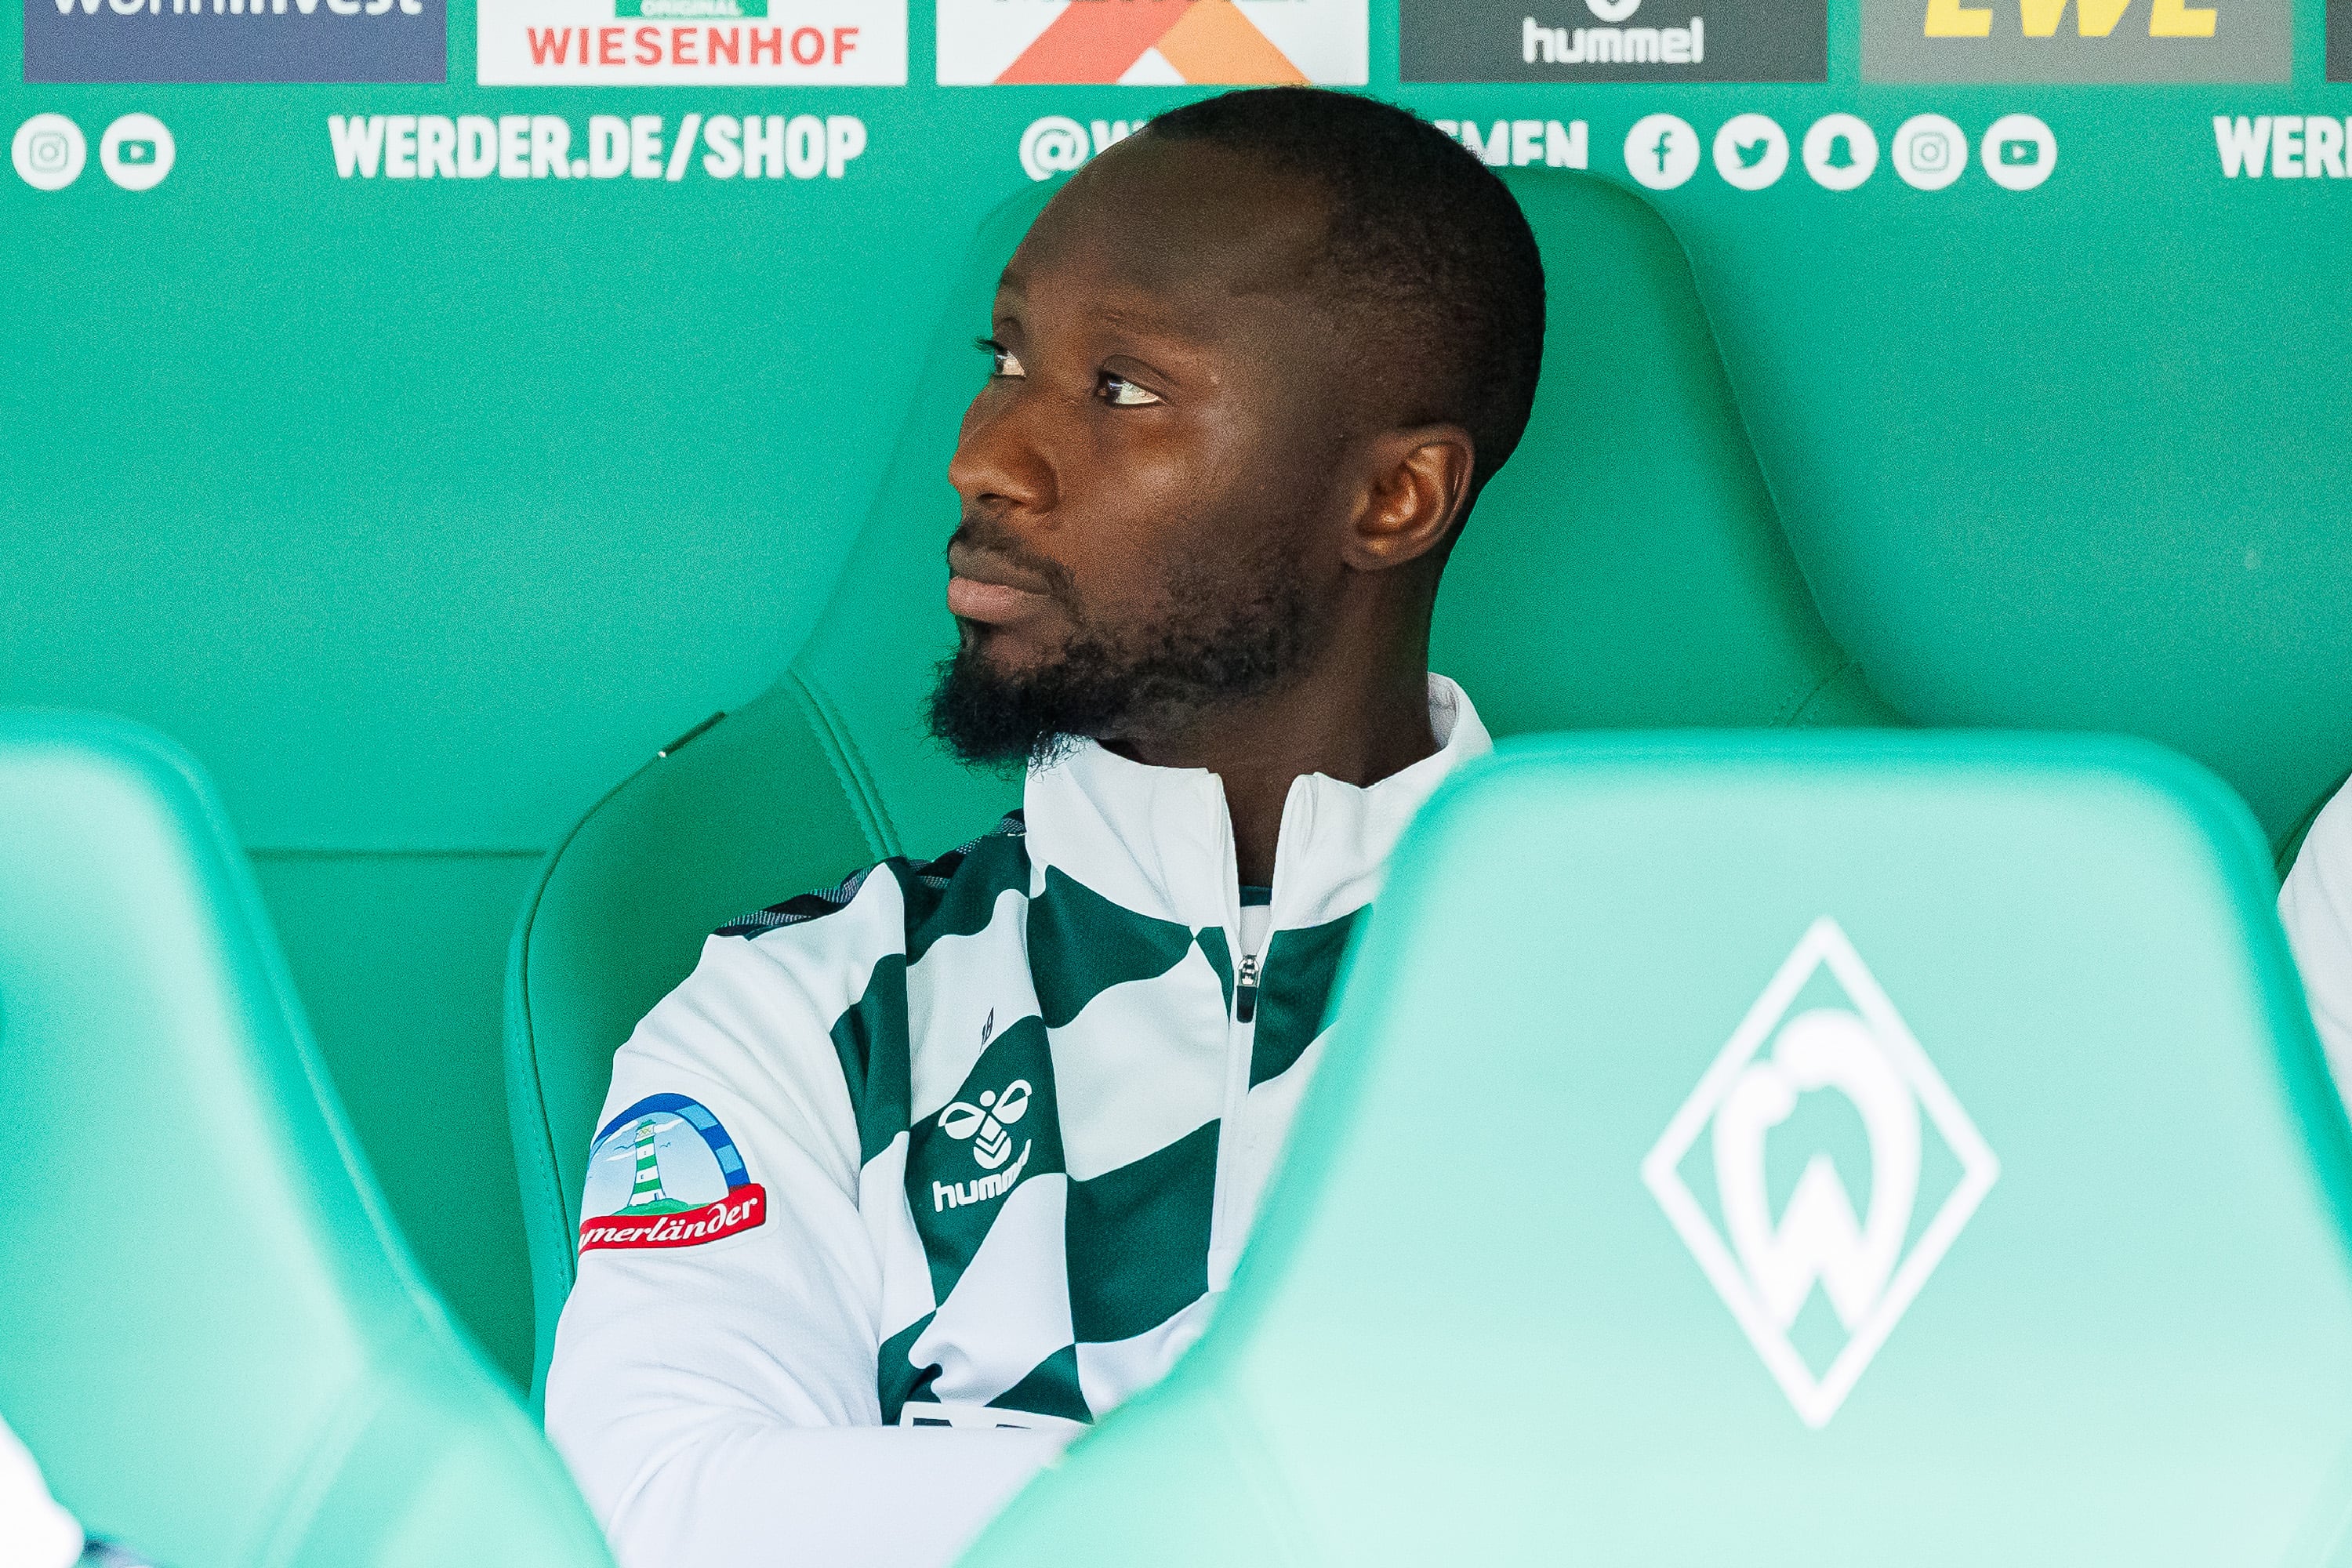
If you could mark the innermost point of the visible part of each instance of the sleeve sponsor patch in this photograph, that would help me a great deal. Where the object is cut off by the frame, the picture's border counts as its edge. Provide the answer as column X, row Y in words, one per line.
column 665, row 1173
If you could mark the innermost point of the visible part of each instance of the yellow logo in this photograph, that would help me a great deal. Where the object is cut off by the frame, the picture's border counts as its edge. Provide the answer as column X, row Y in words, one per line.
column 2093, row 19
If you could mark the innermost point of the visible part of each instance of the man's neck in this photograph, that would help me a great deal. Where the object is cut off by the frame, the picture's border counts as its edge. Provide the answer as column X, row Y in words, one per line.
column 1358, row 732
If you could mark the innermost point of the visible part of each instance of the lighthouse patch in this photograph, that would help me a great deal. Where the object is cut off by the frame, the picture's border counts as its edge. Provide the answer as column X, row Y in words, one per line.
column 665, row 1173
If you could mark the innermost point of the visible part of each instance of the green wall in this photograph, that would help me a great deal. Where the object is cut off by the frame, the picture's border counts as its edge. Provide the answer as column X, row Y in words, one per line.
column 422, row 511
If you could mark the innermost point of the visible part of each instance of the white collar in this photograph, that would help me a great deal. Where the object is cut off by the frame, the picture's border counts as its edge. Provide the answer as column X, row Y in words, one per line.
column 1157, row 840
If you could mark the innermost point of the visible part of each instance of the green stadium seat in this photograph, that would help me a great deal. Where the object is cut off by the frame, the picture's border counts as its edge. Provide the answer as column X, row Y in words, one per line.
column 1627, row 569
column 1533, row 1285
column 216, row 1343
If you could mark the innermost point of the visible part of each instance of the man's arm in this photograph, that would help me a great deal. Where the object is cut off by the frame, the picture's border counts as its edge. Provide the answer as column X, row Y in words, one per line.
column 704, row 1384
column 2315, row 905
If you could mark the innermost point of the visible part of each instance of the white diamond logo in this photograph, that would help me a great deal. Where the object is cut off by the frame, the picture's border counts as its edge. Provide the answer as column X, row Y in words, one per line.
column 1765, row 1272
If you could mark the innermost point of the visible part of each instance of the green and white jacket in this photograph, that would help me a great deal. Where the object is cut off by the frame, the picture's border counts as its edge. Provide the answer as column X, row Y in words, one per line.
column 970, row 1144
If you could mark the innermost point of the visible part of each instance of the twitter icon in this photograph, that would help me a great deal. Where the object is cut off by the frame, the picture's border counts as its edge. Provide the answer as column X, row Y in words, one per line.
column 1751, row 150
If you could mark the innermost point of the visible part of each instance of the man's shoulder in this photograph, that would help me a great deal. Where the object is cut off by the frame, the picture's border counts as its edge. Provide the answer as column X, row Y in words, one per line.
column 970, row 875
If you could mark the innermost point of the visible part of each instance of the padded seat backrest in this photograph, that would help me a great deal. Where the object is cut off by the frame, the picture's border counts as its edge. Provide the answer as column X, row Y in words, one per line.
column 1626, row 568
column 1830, row 1150
column 211, row 1337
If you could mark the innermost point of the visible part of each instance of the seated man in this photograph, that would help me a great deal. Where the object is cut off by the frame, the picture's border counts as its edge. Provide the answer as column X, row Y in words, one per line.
column 993, row 1128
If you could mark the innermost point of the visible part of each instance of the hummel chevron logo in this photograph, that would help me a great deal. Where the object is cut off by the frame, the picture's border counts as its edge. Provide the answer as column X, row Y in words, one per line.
column 985, row 1123
column 1869, row 1267
column 991, row 1145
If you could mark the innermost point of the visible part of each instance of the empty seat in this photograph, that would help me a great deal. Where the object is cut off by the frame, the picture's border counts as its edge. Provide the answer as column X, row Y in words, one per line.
column 211, row 1336
column 1825, row 1150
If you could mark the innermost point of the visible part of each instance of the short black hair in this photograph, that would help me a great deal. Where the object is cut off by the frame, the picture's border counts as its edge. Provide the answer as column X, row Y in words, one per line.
column 1422, row 234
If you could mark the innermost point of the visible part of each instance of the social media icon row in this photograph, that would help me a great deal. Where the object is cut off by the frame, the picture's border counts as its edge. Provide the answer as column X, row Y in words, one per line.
column 136, row 151
column 1841, row 150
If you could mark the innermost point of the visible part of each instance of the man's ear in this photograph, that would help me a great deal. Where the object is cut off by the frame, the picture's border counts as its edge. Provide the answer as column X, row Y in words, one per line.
column 1419, row 489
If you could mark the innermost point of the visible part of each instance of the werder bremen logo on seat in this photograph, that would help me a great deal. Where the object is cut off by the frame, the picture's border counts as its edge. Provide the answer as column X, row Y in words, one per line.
column 1868, row 1262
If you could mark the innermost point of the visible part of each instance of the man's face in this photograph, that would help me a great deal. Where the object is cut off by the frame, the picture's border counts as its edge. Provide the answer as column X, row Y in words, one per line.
column 1148, row 477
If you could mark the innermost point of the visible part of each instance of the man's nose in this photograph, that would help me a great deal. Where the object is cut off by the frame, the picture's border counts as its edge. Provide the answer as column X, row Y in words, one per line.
column 999, row 464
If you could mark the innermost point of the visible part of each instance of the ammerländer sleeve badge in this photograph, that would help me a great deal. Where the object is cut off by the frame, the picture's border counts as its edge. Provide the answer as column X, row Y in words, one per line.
column 665, row 1173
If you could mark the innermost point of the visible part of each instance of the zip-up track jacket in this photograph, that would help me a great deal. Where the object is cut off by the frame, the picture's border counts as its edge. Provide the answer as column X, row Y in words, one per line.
column 971, row 1145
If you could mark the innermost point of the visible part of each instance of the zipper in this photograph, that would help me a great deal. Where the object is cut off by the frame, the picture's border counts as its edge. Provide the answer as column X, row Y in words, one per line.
column 1225, row 1243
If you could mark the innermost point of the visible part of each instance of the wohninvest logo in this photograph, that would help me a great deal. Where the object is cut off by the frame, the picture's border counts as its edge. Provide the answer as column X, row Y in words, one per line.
column 637, row 43
column 235, row 40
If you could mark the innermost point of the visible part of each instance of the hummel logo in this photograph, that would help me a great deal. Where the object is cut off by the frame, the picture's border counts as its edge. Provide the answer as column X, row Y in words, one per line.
column 984, row 1123
column 991, row 1145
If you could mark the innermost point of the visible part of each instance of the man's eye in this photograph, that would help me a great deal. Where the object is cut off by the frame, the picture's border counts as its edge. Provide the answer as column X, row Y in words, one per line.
column 1002, row 360
column 1121, row 392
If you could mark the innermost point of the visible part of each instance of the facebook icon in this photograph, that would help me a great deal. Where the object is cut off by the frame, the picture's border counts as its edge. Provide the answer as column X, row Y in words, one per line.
column 1661, row 151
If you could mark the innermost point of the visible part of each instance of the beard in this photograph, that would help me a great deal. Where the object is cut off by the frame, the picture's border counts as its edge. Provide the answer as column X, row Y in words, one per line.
column 1226, row 635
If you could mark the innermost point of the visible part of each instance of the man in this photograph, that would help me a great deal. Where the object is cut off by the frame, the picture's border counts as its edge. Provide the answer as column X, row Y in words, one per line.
column 2316, row 906
column 35, row 1531
column 986, row 1135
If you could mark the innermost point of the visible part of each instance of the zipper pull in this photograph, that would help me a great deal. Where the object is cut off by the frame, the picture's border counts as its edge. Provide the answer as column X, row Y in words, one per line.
column 1245, row 990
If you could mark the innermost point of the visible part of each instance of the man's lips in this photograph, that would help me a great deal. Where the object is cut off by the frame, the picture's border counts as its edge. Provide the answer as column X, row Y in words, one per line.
column 970, row 599
column 987, row 589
